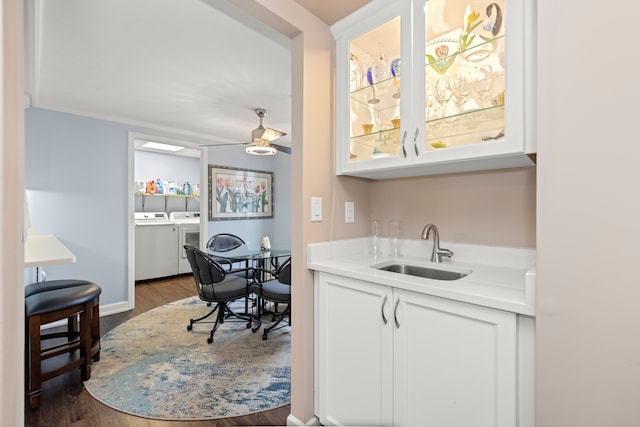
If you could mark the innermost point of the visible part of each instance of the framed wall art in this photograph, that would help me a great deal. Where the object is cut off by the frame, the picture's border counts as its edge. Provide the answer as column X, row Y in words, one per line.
column 239, row 193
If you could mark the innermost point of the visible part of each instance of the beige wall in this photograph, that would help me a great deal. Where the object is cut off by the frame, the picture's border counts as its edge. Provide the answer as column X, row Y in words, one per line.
column 588, row 288
column 488, row 208
column 11, row 204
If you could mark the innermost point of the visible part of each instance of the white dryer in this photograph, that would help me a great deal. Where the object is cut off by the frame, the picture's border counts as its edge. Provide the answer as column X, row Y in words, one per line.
column 188, row 234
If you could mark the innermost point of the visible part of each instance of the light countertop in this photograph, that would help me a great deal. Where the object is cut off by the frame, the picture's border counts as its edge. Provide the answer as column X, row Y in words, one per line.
column 500, row 277
column 45, row 249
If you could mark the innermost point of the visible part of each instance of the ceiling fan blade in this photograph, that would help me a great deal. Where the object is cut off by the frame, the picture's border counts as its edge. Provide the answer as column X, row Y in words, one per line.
column 282, row 148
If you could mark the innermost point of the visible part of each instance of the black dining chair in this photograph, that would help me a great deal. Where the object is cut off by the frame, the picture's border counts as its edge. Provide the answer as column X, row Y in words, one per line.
column 216, row 285
column 277, row 289
column 225, row 242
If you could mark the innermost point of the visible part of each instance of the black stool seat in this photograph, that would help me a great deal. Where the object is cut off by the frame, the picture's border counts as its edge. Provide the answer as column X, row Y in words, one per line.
column 59, row 300
column 51, row 285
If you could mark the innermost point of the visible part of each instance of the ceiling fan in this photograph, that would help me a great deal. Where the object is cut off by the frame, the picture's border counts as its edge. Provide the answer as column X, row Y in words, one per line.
column 261, row 139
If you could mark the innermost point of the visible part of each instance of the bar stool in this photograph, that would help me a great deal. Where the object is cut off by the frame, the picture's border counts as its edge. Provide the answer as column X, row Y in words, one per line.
column 61, row 301
column 72, row 322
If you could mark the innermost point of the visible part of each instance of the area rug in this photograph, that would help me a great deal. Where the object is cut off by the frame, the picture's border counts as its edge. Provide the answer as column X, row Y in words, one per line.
column 152, row 367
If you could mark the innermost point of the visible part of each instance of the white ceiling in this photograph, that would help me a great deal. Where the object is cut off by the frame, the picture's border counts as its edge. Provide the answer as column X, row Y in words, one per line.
column 189, row 67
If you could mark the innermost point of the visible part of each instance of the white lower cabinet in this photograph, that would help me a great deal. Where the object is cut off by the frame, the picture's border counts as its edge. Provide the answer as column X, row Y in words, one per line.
column 354, row 352
column 390, row 357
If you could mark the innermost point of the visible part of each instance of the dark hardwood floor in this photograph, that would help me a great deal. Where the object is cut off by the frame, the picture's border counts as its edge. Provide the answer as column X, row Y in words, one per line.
column 65, row 402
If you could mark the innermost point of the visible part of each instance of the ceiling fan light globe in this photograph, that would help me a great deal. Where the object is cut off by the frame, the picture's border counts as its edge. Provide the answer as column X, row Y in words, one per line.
column 261, row 150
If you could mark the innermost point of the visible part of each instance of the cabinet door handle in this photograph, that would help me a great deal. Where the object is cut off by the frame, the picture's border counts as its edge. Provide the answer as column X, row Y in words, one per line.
column 384, row 302
column 415, row 141
column 404, row 150
column 395, row 313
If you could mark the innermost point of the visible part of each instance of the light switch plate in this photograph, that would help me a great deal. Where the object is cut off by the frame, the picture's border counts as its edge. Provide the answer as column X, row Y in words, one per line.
column 316, row 209
column 349, row 212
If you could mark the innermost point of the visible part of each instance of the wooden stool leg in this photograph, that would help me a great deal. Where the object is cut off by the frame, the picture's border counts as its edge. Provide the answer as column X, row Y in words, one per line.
column 85, row 341
column 35, row 381
column 72, row 327
column 95, row 330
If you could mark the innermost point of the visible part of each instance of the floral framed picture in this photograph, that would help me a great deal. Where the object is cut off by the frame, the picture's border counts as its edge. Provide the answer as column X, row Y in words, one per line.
column 239, row 193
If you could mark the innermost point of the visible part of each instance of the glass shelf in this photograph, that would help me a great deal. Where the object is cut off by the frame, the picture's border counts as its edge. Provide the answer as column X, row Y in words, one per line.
column 166, row 195
column 379, row 144
column 381, row 86
column 470, row 127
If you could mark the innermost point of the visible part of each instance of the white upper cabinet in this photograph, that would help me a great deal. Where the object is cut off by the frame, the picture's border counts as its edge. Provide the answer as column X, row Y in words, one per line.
column 438, row 86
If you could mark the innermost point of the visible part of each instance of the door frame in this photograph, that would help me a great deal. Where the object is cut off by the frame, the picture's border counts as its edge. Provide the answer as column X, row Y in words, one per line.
column 134, row 139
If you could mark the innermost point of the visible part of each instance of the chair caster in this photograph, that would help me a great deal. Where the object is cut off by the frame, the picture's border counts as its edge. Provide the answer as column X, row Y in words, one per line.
column 264, row 336
column 210, row 340
column 189, row 327
column 248, row 325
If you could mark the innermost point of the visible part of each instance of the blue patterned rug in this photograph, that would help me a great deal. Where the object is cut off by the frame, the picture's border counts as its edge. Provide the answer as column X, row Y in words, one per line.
column 152, row 367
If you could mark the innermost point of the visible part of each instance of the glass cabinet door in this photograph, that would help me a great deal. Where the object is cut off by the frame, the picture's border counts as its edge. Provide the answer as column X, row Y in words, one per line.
column 464, row 73
column 422, row 87
column 375, row 78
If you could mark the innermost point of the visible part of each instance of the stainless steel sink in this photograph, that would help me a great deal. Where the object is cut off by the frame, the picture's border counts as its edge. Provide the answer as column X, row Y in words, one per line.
column 428, row 273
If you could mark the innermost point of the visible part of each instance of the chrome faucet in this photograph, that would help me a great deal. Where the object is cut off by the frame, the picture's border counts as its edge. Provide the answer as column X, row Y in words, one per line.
column 438, row 252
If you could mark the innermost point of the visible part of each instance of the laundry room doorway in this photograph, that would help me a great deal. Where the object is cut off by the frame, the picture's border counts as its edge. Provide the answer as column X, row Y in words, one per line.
column 168, row 185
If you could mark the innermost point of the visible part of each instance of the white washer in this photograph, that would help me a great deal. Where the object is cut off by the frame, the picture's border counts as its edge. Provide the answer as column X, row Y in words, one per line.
column 189, row 234
column 155, row 242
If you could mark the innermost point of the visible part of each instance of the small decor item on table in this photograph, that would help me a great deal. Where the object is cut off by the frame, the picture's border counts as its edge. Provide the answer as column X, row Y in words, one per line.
column 265, row 244
column 395, row 123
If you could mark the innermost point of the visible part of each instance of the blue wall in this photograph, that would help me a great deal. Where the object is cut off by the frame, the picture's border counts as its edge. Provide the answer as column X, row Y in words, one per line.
column 77, row 184
column 277, row 228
